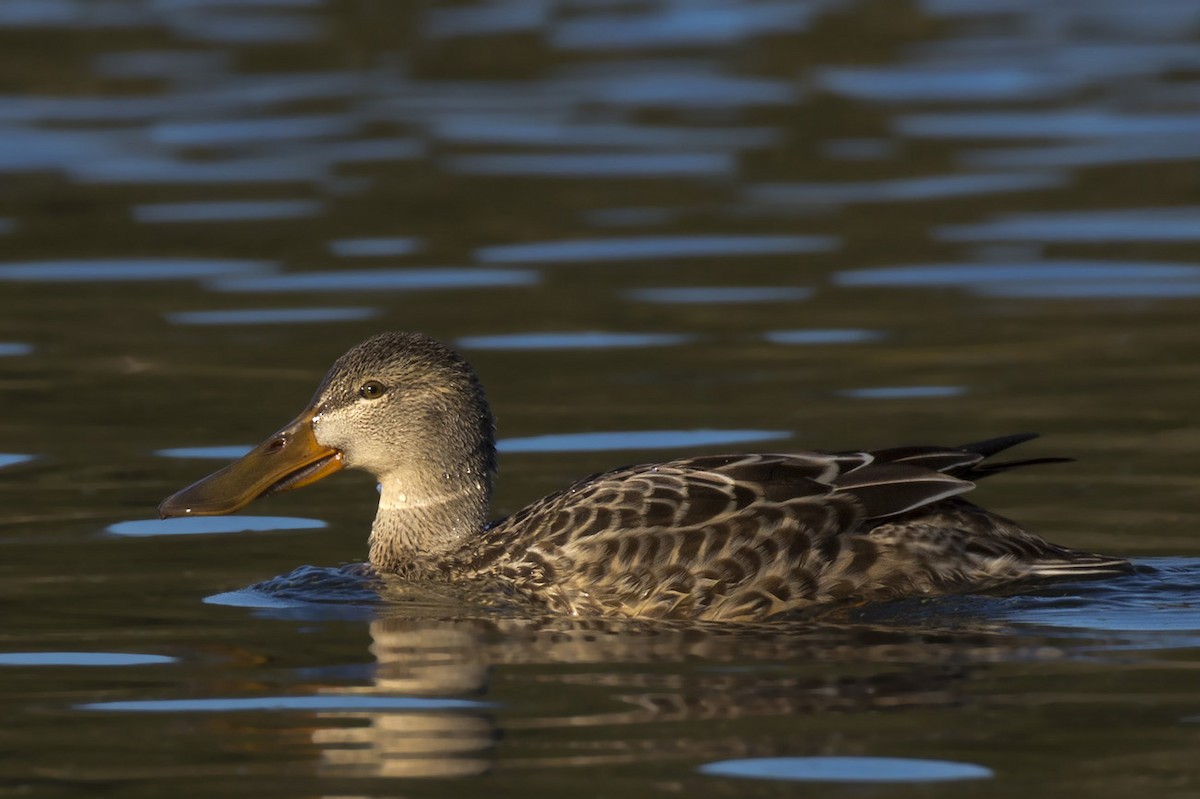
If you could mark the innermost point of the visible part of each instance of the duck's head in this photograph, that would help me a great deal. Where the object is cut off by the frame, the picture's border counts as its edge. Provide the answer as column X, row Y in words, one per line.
column 401, row 406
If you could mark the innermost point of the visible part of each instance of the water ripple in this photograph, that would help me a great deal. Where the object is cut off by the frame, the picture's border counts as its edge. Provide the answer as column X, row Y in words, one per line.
column 13, row 458
column 1141, row 224
column 270, row 316
column 66, row 13
column 679, row 25
column 228, row 453
column 310, row 593
column 101, row 270
column 238, row 27
column 225, row 132
column 571, row 341
column 1102, row 153
column 227, row 211
column 151, row 168
column 600, row 165
column 720, row 294
column 1047, row 279
column 13, row 348
column 684, row 84
column 484, row 19
column 935, row 187
column 207, row 525
column 1154, row 607
column 82, row 659
column 636, row 439
column 534, row 131
column 380, row 280
column 939, row 83
column 648, row 247
column 1051, row 124
column 847, row 769
column 375, row 247
column 327, row 703
column 823, row 336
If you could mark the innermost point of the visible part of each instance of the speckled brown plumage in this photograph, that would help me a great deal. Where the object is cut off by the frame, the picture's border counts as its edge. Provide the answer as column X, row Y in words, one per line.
column 727, row 537
column 750, row 536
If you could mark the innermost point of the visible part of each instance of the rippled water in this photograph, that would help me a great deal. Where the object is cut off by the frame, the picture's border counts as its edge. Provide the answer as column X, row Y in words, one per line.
column 655, row 227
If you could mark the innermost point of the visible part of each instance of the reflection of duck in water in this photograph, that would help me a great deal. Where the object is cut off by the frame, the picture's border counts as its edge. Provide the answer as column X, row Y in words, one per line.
column 555, row 692
column 714, row 537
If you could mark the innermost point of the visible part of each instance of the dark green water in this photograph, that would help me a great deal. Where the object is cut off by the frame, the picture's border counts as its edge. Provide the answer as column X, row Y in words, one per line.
column 655, row 228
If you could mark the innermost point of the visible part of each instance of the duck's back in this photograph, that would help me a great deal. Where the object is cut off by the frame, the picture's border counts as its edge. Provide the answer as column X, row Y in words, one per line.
column 748, row 536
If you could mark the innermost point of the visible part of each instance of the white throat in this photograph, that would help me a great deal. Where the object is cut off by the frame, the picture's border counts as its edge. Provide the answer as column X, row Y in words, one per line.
column 416, row 521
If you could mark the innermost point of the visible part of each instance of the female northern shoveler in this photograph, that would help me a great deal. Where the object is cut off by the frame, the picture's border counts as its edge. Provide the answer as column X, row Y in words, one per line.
column 715, row 537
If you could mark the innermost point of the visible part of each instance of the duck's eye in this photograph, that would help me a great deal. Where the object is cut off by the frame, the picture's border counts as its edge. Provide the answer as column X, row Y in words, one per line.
column 372, row 389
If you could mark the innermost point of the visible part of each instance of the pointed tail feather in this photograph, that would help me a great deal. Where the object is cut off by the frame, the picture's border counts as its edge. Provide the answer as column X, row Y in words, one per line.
column 985, row 469
column 990, row 446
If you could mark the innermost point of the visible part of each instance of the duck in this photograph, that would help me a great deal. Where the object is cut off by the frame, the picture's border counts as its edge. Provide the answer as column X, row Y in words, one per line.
column 731, row 537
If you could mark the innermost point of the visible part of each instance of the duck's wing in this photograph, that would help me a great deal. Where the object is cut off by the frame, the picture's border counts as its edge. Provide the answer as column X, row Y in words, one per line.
column 700, row 492
column 717, row 537
column 745, row 536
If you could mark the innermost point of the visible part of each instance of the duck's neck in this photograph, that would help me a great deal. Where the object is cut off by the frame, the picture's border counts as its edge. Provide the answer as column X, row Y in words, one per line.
column 421, row 523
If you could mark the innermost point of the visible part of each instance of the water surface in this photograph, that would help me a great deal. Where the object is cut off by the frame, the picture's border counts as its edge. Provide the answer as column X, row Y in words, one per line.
column 657, row 228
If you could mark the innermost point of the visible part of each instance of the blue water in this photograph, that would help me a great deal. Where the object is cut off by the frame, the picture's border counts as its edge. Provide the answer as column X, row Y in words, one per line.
column 846, row 769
